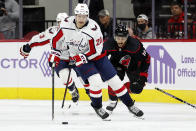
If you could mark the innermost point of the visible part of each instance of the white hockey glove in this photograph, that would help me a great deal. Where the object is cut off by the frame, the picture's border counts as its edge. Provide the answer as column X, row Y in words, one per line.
column 79, row 59
column 54, row 58
column 25, row 50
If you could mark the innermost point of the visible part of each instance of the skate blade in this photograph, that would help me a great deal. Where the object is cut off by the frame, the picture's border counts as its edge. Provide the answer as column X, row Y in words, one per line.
column 67, row 107
column 70, row 105
column 141, row 118
column 75, row 103
column 109, row 112
column 107, row 119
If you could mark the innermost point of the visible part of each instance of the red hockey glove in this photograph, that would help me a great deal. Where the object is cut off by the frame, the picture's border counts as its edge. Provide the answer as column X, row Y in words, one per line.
column 54, row 58
column 79, row 59
column 25, row 50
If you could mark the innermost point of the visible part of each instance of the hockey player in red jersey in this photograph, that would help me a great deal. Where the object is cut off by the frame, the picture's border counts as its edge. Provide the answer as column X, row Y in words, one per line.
column 62, row 70
column 128, row 56
column 82, row 37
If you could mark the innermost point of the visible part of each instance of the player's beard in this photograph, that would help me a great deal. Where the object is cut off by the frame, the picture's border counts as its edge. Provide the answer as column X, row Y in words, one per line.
column 80, row 24
column 121, row 45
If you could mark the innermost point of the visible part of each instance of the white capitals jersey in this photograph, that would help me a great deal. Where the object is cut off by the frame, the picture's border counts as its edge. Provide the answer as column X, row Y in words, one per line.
column 87, row 40
column 44, row 38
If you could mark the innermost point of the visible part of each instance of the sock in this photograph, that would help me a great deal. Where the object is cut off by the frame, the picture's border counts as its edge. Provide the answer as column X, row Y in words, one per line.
column 126, row 99
column 112, row 94
column 72, row 87
column 96, row 102
column 113, row 97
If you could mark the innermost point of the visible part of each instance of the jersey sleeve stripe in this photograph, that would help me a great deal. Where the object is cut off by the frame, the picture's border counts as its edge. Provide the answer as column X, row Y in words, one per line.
column 40, row 43
column 92, row 48
column 111, row 50
column 99, row 57
column 145, row 74
column 148, row 59
column 56, row 38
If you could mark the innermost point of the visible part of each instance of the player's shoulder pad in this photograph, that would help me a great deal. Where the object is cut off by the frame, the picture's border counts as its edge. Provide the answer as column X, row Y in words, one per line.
column 68, row 22
column 110, row 44
column 68, row 19
column 52, row 29
column 93, row 29
column 133, row 44
column 93, row 25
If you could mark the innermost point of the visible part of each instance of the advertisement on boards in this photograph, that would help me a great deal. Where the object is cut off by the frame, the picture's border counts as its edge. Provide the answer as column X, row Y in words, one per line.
column 33, row 71
column 173, row 66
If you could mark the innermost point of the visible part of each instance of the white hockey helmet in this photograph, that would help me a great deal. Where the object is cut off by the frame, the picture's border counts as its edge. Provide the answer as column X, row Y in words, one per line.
column 81, row 9
column 61, row 16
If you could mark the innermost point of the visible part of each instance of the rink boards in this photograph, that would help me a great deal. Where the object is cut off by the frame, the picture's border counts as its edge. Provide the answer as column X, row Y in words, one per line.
column 173, row 68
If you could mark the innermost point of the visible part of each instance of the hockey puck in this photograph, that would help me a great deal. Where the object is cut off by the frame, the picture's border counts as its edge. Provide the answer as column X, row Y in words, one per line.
column 65, row 122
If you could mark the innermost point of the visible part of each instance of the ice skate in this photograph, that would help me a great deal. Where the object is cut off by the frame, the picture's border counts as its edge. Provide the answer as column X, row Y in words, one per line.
column 111, row 106
column 75, row 96
column 136, row 111
column 75, row 99
column 102, row 113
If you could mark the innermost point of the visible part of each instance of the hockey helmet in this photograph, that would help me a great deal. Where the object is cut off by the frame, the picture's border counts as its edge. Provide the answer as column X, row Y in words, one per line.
column 61, row 16
column 81, row 9
column 121, row 30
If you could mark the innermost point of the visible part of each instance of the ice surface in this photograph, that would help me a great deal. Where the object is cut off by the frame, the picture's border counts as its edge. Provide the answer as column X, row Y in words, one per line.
column 29, row 115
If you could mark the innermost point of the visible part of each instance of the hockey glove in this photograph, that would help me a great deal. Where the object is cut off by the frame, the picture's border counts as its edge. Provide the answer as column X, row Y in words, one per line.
column 25, row 50
column 143, row 78
column 136, row 87
column 138, row 83
column 54, row 58
column 79, row 59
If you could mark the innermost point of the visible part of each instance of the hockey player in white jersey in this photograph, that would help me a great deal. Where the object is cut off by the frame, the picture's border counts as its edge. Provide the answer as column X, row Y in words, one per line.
column 82, row 37
column 44, row 38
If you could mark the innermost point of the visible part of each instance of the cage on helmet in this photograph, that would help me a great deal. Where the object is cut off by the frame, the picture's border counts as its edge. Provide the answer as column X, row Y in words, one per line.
column 81, row 9
column 121, row 30
column 61, row 16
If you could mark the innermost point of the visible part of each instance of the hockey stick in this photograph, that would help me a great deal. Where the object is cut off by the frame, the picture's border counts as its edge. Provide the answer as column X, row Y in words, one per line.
column 53, row 65
column 175, row 97
column 66, row 88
